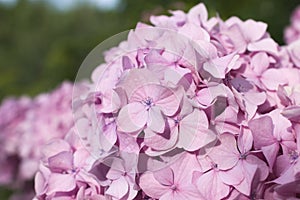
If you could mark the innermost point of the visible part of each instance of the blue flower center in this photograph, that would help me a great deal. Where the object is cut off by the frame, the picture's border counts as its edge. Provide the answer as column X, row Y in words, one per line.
column 148, row 102
column 243, row 156
column 294, row 155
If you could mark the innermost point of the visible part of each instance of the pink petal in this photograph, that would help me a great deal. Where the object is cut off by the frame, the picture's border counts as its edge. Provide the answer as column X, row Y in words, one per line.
column 292, row 113
column 270, row 152
column 108, row 136
column 234, row 32
column 128, row 143
column 156, row 122
column 118, row 188
column 55, row 147
column 272, row 78
column 289, row 190
column 245, row 141
column 194, row 132
column 260, row 62
column 126, row 63
column 226, row 154
column 116, row 169
column 165, row 176
column 262, row 131
column 151, row 186
column 132, row 117
column 163, row 141
column 287, row 177
column 211, row 186
column 207, row 96
column 135, row 79
column 219, row 67
column 111, row 102
column 60, row 183
column 294, row 50
column 80, row 157
column 198, row 14
column 248, row 170
column 254, row 30
column 232, row 176
column 189, row 193
column 184, row 167
column 61, row 162
column 168, row 101
column 281, row 126
column 268, row 45
column 39, row 184
column 262, row 168
column 194, row 32
column 297, row 131
column 256, row 98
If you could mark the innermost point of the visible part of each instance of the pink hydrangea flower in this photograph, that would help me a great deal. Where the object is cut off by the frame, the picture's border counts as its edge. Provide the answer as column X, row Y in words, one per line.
column 173, row 182
column 292, row 32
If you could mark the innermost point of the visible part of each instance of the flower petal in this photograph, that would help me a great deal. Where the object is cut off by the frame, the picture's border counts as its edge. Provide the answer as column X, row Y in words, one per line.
column 118, row 188
column 211, row 186
column 132, row 117
column 262, row 131
column 61, row 162
column 226, row 154
column 156, row 121
column 60, row 183
column 165, row 176
column 151, row 186
column 193, row 131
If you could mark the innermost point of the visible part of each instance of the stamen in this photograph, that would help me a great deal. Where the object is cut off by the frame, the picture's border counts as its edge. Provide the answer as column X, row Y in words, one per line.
column 214, row 165
column 148, row 102
column 174, row 187
column 294, row 155
column 177, row 120
column 243, row 156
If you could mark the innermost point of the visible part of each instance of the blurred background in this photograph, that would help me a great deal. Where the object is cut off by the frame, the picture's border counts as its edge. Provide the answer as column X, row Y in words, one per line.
column 43, row 42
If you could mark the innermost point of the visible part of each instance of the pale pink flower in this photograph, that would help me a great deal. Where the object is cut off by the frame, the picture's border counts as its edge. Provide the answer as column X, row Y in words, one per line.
column 270, row 132
column 292, row 32
column 174, row 181
column 148, row 105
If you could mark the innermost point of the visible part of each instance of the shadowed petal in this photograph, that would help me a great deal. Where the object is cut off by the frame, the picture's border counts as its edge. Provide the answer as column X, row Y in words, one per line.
column 60, row 183
column 262, row 131
column 165, row 176
column 118, row 188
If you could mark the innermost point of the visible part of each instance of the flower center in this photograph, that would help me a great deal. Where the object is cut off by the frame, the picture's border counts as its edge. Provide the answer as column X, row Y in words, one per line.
column 214, row 165
column 148, row 102
column 177, row 120
column 101, row 152
column 98, row 101
column 243, row 156
column 174, row 187
column 294, row 155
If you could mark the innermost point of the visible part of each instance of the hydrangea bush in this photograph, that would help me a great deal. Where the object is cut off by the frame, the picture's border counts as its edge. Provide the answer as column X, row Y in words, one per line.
column 189, row 107
column 26, row 126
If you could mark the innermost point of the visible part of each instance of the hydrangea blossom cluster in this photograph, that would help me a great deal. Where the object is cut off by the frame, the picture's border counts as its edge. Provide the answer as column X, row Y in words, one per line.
column 189, row 107
column 292, row 32
column 26, row 126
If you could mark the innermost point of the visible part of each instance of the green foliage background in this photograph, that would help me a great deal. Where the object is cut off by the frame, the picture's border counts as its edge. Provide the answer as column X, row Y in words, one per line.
column 41, row 46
